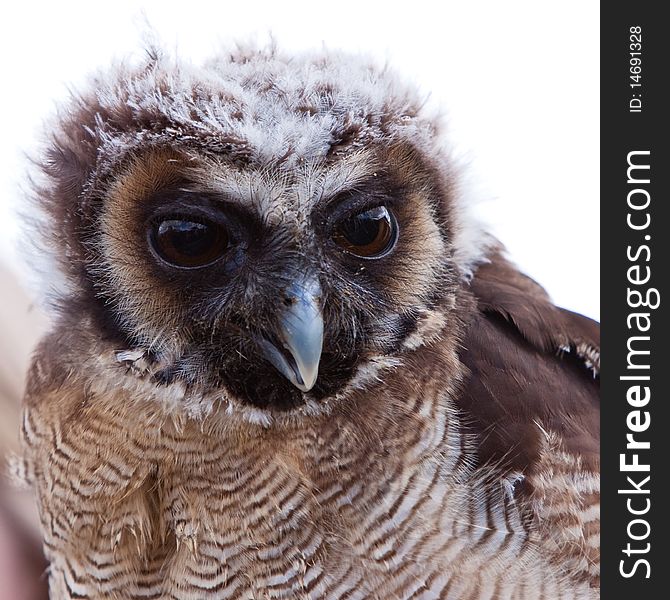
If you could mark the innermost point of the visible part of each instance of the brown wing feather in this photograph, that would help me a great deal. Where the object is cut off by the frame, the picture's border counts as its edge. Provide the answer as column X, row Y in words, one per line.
column 532, row 396
column 530, row 364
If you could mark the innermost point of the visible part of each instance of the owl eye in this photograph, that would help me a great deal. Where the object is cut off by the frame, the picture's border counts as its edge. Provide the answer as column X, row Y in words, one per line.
column 189, row 244
column 369, row 234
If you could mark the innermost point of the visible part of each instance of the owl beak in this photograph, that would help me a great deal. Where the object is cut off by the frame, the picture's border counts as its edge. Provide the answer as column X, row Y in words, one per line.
column 300, row 335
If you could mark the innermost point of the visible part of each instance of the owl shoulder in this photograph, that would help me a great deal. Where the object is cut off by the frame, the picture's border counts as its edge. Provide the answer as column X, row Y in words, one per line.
column 533, row 372
column 531, row 398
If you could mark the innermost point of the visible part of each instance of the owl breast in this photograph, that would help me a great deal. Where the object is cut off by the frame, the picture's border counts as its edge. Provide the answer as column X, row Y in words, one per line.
column 140, row 502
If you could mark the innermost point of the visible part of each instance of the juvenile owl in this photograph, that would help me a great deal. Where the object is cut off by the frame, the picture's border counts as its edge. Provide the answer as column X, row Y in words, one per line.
column 285, row 362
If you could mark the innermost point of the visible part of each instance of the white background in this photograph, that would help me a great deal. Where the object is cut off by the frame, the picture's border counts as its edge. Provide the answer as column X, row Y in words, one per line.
column 519, row 81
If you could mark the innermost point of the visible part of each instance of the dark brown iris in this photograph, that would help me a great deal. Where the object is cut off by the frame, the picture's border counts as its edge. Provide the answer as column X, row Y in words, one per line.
column 189, row 244
column 369, row 234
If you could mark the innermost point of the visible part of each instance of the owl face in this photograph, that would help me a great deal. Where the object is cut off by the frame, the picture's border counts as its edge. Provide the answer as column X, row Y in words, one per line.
column 270, row 284
column 274, row 245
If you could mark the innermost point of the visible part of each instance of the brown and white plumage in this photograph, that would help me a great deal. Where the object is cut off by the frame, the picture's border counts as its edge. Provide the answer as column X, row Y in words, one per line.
column 447, row 448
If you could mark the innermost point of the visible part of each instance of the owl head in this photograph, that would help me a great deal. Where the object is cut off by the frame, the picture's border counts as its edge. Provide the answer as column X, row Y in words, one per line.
column 273, row 229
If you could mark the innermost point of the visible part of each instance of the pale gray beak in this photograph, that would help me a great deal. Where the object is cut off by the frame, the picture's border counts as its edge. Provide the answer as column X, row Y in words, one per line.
column 300, row 335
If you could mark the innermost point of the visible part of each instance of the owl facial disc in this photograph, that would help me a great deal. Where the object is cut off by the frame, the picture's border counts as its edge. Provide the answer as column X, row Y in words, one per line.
column 300, row 335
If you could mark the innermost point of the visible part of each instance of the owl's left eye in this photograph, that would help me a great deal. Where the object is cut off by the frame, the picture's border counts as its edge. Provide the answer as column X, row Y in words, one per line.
column 189, row 244
column 368, row 234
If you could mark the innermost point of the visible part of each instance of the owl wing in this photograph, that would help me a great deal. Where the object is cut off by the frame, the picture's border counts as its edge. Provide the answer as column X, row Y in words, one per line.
column 532, row 400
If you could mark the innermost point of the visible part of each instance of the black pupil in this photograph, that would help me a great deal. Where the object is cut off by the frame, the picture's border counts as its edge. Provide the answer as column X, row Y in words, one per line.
column 369, row 234
column 190, row 243
column 190, row 239
column 363, row 229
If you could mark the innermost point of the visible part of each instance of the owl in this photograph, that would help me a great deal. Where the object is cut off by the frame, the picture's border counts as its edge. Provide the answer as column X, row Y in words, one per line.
column 285, row 361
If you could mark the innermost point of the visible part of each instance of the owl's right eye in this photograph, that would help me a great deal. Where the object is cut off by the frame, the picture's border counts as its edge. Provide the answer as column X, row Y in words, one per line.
column 189, row 244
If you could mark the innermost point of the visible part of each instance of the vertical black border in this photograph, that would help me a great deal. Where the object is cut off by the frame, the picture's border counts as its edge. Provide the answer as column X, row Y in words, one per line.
column 623, row 131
